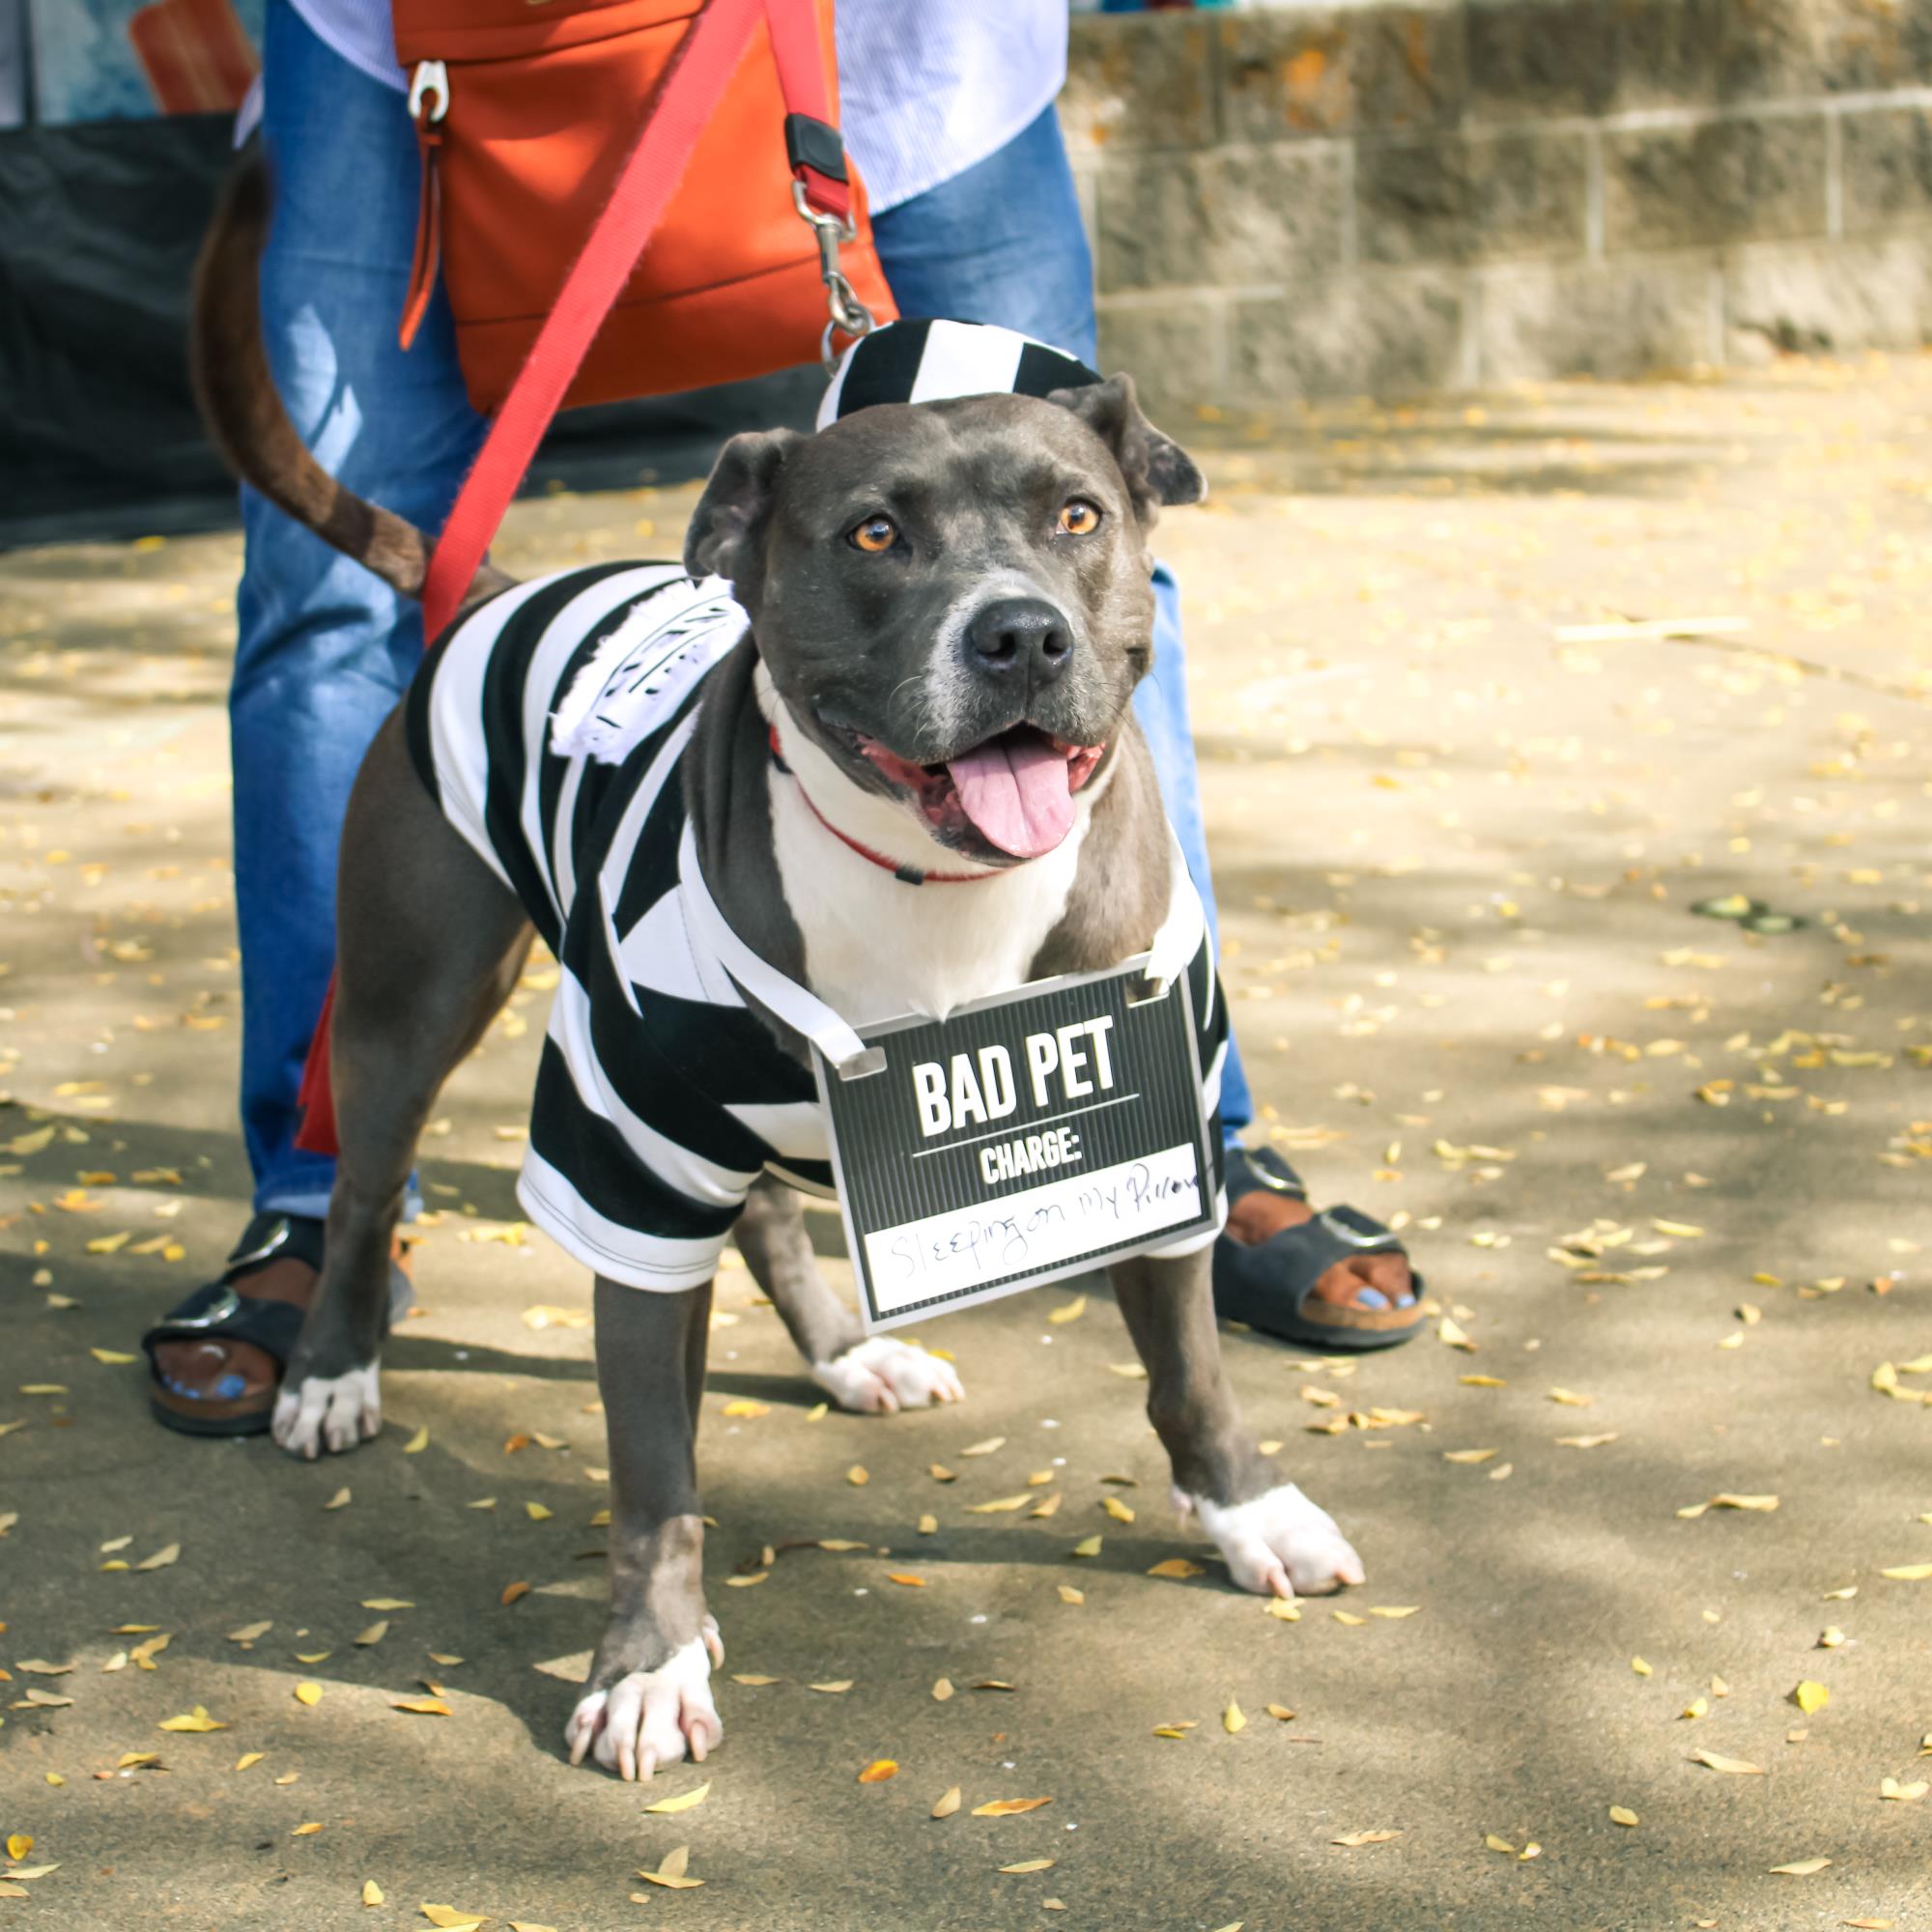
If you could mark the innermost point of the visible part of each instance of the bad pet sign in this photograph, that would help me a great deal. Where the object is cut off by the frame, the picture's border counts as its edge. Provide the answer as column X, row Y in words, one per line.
column 1024, row 1138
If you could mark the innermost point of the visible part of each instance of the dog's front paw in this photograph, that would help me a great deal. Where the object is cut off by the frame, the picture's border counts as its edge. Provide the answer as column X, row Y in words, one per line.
column 1279, row 1543
column 329, row 1412
column 652, row 1717
column 880, row 1376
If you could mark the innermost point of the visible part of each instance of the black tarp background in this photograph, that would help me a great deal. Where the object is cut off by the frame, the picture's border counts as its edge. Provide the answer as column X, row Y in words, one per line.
column 99, row 228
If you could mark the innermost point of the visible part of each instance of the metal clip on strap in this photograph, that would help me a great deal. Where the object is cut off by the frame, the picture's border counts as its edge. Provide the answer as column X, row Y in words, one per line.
column 848, row 312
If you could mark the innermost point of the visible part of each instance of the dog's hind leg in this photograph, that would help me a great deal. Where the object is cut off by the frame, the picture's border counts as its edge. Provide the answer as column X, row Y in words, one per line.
column 430, row 941
column 876, row 1376
column 1275, row 1541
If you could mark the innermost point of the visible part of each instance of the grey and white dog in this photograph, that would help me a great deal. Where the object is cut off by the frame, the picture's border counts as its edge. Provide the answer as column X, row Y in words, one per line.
column 919, row 581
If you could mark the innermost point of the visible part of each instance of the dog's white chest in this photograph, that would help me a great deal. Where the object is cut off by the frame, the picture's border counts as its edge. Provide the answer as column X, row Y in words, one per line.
column 877, row 947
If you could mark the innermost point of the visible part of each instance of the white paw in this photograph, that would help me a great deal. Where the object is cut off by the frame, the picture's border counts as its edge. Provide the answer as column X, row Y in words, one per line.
column 1279, row 1543
column 881, row 1375
column 332, row 1412
column 651, row 1717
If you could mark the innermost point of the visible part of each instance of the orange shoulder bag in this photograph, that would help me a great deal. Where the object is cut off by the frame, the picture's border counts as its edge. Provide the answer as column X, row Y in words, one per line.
column 525, row 114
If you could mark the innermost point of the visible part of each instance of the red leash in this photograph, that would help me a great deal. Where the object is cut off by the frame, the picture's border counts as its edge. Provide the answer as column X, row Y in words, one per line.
column 686, row 100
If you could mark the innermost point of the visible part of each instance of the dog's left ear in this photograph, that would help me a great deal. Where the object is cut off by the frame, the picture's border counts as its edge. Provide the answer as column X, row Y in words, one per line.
column 722, row 540
column 1157, row 469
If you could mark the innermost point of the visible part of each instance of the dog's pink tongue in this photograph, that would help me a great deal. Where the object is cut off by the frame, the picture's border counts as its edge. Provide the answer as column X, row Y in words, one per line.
column 1016, row 792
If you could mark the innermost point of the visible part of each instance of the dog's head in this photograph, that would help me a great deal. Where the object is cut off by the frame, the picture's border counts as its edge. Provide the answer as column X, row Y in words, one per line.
column 952, row 598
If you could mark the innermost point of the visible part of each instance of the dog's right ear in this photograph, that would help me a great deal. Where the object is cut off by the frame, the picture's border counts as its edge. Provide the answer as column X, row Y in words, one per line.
column 1155, row 468
column 730, row 516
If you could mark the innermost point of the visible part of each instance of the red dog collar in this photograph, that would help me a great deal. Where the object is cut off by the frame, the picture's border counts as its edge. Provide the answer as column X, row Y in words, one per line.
column 907, row 875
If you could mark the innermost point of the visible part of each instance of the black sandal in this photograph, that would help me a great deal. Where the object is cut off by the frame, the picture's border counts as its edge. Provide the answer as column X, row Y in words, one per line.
column 1269, row 1285
column 215, row 1311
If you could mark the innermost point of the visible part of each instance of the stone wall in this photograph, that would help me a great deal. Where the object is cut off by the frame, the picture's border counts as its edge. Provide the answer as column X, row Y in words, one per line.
column 1389, row 199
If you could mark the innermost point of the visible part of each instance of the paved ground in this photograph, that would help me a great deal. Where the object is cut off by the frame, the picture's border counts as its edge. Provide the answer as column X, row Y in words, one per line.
column 1672, row 1169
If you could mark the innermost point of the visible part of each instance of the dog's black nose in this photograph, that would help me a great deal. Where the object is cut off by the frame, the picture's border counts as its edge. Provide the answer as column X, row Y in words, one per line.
column 1020, row 637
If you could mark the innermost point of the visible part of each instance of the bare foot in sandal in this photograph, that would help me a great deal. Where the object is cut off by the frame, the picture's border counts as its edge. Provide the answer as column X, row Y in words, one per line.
column 216, row 1359
column 1341, row 1282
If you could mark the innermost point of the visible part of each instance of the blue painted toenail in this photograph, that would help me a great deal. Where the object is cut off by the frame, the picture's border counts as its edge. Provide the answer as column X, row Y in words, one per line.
column 1371, row 1297
column 230, row 1386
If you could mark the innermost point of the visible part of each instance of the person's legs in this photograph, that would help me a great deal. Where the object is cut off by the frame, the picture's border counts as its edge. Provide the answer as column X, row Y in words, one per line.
column 1160, row 704
column 324, row 649
column 1002, row 242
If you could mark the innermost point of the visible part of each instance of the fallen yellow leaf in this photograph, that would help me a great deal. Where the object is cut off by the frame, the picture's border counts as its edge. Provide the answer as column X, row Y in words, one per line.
column 196, row 1720
column 1008, row 1807
column 1354, row 1838
column 1177, row 1566
column 1029, row 1865
column 685, row 1801
column 415, row 1446
column 948, row 1804
column 1232, row 1719
column 1736, row 1765
column 1811, row 1696
column 372, row 1892
column 1802, row 1867
column 1622, row 1815
column 308, row 1693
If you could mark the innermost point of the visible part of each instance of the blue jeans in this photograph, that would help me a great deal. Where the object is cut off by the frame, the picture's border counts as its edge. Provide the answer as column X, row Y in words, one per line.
column 325, row 650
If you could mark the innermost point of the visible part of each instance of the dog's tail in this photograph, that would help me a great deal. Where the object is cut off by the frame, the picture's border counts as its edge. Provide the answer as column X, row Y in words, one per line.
column 244, row 413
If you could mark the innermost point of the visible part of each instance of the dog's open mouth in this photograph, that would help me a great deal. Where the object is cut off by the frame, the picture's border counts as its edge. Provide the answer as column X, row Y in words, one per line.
column 1015, row 790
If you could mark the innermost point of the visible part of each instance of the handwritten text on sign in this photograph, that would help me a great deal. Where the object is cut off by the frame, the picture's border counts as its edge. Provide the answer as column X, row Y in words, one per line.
column 1022, row 1139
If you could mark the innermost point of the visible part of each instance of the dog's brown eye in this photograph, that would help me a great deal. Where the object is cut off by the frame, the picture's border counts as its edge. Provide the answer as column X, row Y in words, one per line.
column 875, row 533
column 1079, row 518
